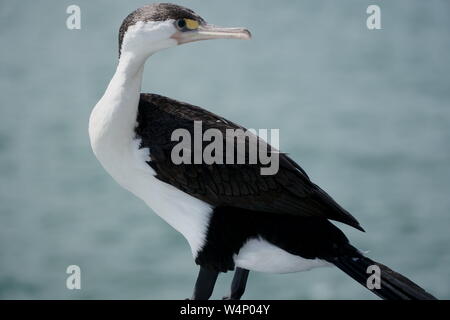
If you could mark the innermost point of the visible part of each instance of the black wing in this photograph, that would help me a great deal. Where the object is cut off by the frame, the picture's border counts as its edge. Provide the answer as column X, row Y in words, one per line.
column 289, row 191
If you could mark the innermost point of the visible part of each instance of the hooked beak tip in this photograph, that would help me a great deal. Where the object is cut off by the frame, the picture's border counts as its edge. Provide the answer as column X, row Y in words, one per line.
column 246, row 34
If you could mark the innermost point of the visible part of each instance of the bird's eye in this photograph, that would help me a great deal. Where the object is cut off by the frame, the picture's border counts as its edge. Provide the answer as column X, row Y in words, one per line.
column 180, row 23
column 186, row 24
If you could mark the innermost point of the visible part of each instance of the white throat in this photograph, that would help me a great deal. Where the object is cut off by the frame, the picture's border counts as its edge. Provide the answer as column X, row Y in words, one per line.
column 114, row 117
column 112, row 122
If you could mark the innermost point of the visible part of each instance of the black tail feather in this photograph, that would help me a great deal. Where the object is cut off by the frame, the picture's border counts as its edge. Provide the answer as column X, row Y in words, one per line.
column 394, row 286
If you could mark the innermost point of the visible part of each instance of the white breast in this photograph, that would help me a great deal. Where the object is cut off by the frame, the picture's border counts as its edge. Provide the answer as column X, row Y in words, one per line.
column 186, row 214
column 127, row 165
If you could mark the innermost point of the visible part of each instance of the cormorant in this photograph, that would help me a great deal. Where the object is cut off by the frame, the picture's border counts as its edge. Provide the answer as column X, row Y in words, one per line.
column 233, row 217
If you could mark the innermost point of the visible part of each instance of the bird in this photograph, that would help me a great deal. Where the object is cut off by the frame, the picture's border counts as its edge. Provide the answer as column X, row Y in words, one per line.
column 233, row 217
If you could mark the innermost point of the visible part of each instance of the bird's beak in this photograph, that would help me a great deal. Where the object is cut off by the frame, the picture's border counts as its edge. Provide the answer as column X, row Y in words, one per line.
column 208, row 31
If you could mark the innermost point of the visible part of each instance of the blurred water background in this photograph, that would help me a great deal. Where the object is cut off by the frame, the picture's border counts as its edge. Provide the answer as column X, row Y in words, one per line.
column 366, row 113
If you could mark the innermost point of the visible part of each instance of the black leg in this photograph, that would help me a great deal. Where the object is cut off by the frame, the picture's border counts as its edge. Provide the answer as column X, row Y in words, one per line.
column 204, row 285
column 238, row 284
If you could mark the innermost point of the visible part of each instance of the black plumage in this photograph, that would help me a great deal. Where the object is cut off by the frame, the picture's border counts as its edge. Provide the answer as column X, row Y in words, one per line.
column 287, row 209
column 289, row 191
column 308, row 237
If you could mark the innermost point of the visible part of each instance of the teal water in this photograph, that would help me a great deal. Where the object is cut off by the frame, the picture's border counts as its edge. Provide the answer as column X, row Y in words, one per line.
column 366, row 113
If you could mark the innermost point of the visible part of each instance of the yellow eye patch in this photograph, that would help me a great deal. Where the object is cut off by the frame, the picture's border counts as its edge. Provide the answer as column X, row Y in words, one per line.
column 191, row 24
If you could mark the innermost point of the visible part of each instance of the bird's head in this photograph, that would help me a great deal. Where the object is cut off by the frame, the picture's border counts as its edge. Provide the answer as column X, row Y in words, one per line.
column 162, row 25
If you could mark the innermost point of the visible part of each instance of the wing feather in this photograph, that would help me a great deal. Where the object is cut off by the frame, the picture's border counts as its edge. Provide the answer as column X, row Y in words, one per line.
column 289, row 191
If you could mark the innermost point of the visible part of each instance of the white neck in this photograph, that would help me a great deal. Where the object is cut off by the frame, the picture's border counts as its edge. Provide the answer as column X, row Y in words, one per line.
column 114, row 117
